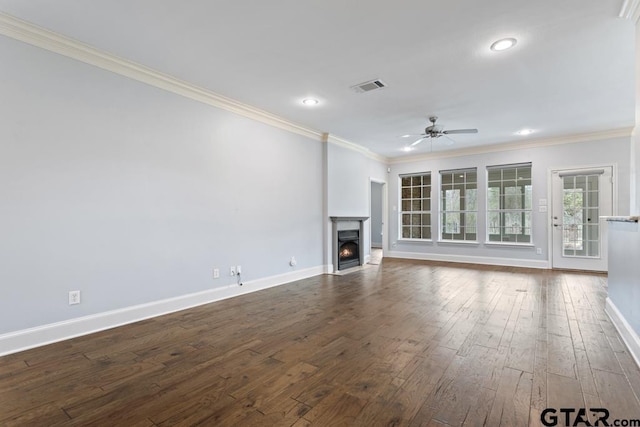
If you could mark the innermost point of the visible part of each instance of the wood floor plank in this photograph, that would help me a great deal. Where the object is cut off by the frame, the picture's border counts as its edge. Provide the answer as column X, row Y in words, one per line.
column 599, row 352
column 616, row 395
column 563, row 392
column 314, row 393
column 631, row 371
column 480, row 409
column 514, row 315
column 457, row 334
column 512, row 402
column 591, row 401
column 558, row 324
column 461, row 397
column 202, row 410
column 387, row 408
column 428, row 371
column 47, row 414
column 521, row 350
column 265, row 394
column 423, row 417
column 539, row 384
column 401, row 408
column 338, row 409
column 585, row 375
column 560, row 356
column 405, row 342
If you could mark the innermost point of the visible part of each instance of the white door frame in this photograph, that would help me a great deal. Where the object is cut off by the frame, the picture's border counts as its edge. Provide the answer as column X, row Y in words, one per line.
column 385, row 227
column 550, row 171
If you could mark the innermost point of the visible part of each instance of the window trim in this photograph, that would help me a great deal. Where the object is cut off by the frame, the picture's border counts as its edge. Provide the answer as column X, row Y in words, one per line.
column 401, row 212
column 523, row 211
column 459, row 242
column 461, row 212
column 510, row 244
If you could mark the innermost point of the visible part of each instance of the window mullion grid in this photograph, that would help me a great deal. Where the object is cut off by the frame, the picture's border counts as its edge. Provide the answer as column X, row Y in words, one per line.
column 416, row 231
column 502, row 213
column 463, row 200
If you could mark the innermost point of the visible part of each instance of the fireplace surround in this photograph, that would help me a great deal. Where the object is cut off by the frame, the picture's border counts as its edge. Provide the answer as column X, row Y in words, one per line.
column 348, row 242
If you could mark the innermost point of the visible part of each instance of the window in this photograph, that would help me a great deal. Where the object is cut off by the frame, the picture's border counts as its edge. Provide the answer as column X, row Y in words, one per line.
column 459, row 205
column 509, row 201
column 415, row 209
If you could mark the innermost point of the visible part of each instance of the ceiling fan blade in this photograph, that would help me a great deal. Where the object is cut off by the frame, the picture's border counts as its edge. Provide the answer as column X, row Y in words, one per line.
column 418, row 141
column 454, row 131
column 448, row 141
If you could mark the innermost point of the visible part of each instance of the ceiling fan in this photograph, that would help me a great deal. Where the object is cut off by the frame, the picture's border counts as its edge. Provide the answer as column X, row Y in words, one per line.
column 436, row 131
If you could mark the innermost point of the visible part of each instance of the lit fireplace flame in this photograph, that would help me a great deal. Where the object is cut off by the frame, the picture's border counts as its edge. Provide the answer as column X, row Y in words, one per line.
column 346, row 252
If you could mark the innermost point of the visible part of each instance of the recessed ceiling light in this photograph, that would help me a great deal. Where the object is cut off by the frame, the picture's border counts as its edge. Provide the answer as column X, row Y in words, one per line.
column 407, row 149
column 406, row 136
column 503, row 44
column 310, row 101
column 524, row 132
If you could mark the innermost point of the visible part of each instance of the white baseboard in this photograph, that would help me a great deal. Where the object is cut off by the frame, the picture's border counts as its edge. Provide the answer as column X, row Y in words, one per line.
column 629, row 336
column 506, row 262
column 25, row 339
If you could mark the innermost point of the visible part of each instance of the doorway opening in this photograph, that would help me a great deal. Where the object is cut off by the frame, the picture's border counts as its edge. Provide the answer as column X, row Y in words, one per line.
column 376, row 218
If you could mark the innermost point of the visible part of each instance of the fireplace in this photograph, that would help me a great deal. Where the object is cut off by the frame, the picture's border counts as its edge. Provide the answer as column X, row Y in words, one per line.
column 348, row 245
column 348, row 249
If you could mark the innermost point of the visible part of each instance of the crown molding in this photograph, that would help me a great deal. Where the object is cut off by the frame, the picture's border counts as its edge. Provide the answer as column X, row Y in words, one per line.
column 32, row 34
column 355, row 147
column 631, row 10
column 532, row 143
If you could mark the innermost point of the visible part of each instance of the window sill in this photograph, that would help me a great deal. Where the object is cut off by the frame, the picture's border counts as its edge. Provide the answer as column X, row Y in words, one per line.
column 510, row 244
column 406, row 240
column 459, row 242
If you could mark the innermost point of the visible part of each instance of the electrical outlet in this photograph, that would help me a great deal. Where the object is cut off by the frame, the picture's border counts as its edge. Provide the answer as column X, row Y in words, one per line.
column 238, row 269
column 539, row 251
column 232, row 271
column 293, row 262
column 216, row 273
column 74, row 297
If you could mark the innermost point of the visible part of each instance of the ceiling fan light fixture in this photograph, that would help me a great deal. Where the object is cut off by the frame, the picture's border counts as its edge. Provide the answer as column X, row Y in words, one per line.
column 309, row 102
column 503, row 44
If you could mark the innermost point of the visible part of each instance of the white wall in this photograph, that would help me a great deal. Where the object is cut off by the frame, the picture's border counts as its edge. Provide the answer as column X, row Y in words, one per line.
column 635, row 208
column 376, row 213
column 613, row 151
column 635, row 177
column 349, row 174
column 624, row 242
column 132, row 194
column 624, row 274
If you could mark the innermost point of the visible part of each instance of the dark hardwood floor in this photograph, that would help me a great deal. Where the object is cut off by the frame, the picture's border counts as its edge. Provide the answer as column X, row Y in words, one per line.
column 402, row 343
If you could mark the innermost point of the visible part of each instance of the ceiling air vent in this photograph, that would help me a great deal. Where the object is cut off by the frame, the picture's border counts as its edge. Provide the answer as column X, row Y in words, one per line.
column 368, row 86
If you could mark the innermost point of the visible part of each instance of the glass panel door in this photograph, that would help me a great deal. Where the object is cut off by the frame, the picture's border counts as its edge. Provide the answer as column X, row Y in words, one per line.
column 580, row 213
column 580, row 198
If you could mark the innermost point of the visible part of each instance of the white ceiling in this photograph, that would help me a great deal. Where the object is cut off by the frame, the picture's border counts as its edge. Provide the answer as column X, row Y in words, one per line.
column 571, row 72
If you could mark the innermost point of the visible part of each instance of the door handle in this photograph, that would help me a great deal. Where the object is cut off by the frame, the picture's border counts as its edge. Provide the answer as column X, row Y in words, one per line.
column 557, row 225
